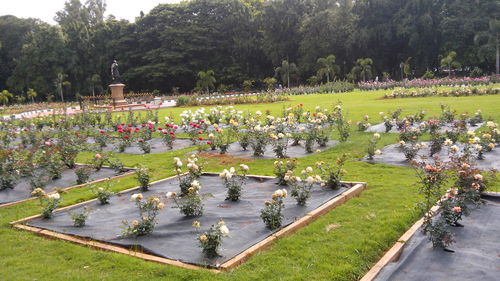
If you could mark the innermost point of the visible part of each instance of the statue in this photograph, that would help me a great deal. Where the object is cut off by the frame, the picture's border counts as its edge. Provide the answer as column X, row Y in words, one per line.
column 115, row 74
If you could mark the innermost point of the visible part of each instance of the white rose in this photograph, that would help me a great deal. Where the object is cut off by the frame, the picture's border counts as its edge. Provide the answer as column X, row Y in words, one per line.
column 309, row 169
column 310, row 180
column 224, row 230
column 54, row 196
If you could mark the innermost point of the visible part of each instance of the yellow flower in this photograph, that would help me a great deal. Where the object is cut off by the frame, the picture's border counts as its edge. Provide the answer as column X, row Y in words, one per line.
column 203, row 238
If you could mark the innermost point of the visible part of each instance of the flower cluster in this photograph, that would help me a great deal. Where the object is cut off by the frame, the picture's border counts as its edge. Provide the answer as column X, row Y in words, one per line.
column 233, row 180
column 211, row 240
column 195, row 170
column 272, row 212
column 148, row 211
column 282, row 170
column 48, row 201
column 190, row 204
column 372, row 146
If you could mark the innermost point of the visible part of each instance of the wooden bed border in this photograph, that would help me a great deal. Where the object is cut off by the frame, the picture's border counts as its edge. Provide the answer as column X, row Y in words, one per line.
column 126, row 174
column 355, row 190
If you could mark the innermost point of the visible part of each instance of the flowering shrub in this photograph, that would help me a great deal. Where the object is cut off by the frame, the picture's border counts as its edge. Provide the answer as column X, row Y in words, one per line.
column 234, row 181
column 364, row 125
column 211, row 240
column 194, row 172
column 280, row 144
column 283, row 170
column 144, row 145
column 190, row 204
column 142, row 175
column 98, row 161
column 271, row 214
column 222, row 138
column 48, row 202
column 372, row 145
column 332, row 174
column 102, row 138
column 421, row 83
column 148, row 210
column 259, row 138
column 79, row 219
column 301, row 188
column 168, row 134
column 410, row 149
column 437, row 142
column 343, row 126
column 9, row 174
column 457, row 92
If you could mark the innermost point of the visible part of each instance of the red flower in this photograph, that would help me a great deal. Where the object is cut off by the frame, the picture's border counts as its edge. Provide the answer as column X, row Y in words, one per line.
column 119, row 127
column 209, row 142
column 126, row 137
column 129, row 125
column 143, row 125
column 200, row 138
column 171, row 132
column 202, row 121
column 164, row 132
column 200, row 132
column 137, row 130
column 141, row 140
column 159, row 129
column 102, row 132
column 120, row 131
column 173, row 136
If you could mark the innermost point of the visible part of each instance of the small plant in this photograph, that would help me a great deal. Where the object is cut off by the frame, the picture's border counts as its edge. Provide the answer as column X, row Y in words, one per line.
column 48, row 202
column 211, row 240
column 258, row 139
column 102, row 138
column 364, row 125
column 103, row 194
column 272, row 212
column 144, row 145
column 410, row 150
column 79, row 219
column 244, row 140
column 280, row 144
column 447, row 115
column 98, row 162
column 283, row 170
column 372, row 145
column 143, row 176
column 332, row 174
column 234, row 181
column 8, row 173
column 194, row 172
column 83, row 174
column 301, row 187
column 437, row 142
column 343, row 126
column 124, row 142
column 148, row 210
column 190, row 204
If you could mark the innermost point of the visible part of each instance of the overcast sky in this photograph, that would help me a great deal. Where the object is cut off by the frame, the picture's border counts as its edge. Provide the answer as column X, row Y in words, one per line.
column 46, row 9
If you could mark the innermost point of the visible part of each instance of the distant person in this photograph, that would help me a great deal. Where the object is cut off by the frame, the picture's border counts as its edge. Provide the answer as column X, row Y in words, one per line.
column 376, row 78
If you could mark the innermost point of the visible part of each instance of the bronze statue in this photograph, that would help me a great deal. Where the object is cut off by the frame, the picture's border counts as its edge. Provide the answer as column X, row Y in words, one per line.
column 115, row 74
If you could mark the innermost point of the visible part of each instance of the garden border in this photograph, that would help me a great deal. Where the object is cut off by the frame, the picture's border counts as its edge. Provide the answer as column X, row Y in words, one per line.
column 355, row 190
column 395, row 251
column 126, row 174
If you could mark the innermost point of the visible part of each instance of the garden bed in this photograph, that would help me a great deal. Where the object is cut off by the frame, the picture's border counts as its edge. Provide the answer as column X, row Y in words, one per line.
column 174, row 240
column 392, row 155
column 475, row 257
column 157, row 146
column 380, row 128
column 293, row 151
column 22, row 190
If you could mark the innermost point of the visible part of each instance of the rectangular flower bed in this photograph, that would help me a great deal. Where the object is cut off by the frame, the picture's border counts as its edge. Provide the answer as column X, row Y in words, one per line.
column 156, row 144
column 22, row 191
column 475, row 256
column 174, row 240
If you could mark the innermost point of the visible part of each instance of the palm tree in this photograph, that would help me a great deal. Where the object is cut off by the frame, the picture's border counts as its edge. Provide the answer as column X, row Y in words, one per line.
column 5, row 96
column 489, row 41
column 328, row 67
column 407, row 67
column 449, row 62
column 363, row 68
column 206, row 80
column 31, row 94
column 285, row 70
column 59, row 84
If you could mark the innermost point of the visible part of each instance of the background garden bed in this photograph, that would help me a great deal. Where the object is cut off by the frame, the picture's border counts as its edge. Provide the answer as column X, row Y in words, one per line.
column 157, row 146
column 22, row 190
column 175, row 239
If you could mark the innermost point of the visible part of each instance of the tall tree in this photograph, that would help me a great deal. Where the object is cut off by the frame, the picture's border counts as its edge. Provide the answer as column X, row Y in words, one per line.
column 363, row 69
column 450, row 63
column 206, row 80
column 328, row 67
column 489, row 42
column 285, row 71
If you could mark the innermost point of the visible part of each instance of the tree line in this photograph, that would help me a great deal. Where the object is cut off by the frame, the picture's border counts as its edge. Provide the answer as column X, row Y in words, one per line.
column 233, row 44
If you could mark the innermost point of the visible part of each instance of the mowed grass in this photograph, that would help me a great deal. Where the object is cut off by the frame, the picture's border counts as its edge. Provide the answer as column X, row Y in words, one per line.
column 365, row 227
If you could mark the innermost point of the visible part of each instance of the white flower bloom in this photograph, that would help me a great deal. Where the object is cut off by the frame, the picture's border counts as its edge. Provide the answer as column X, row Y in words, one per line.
column 244, row 167
column 309, row 169
column 376, row 135
column 224, row 230
column 171, row 194
column 310, row 180
column 378, row 152
column 454, row 148
column 448, row 142
column 54, row 196
column 136, row 197
column 195, row 184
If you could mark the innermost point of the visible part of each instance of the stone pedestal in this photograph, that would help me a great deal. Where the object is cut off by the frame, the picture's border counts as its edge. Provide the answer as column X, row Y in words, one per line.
column 117, row 94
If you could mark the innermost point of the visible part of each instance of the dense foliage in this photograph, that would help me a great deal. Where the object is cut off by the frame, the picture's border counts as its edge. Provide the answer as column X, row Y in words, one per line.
column 231, row 44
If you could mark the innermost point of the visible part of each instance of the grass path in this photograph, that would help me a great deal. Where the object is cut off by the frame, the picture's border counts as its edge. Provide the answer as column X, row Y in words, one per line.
column 365, row 226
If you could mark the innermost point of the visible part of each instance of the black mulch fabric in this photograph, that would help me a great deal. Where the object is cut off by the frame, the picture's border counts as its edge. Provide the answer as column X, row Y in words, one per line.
column 476, row 256
column 157, row 146
column 22, row 190
column 380, row 128
column 174, row 236
column 392, row 155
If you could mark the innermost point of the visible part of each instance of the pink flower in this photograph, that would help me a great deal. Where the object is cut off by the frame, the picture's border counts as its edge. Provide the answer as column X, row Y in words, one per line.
column 47, row 143
column 457, row 209
column 98, row 156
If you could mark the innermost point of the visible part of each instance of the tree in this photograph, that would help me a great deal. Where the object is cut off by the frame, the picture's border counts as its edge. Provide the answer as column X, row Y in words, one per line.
column 270, row 83
column 285, row 71
column 248, row 84
column 328, row 67
column 5, row 97
column 362, row 69
column 489, row 42
column 407, row 67
column 31, row 94
column 450, row 63
column 206, row 80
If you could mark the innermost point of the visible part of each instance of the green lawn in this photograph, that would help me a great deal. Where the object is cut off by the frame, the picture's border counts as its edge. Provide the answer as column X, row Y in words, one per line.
column 368, row 225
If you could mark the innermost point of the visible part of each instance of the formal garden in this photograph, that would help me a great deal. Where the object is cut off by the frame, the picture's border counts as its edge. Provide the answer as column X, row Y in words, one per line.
column 249, row 140
column 317, row 185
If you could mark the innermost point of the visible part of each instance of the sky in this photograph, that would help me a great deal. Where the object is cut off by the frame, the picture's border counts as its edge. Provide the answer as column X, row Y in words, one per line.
column 46, row 9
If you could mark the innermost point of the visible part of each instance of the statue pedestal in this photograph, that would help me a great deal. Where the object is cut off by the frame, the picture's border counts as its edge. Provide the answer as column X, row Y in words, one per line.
column 117, row 94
